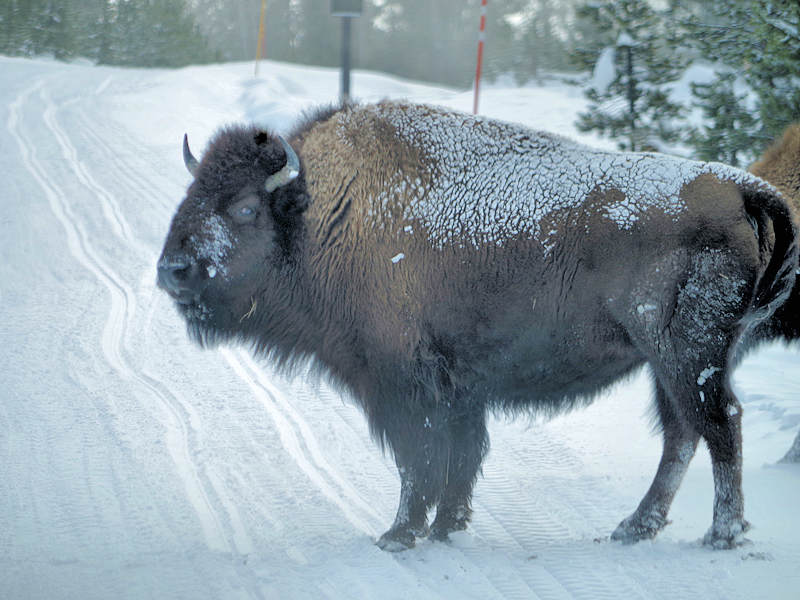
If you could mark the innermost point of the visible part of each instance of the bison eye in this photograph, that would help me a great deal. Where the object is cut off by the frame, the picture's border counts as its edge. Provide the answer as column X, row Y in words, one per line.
column 245, row 210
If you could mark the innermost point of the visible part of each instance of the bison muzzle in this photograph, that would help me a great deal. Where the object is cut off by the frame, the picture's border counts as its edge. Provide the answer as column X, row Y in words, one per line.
column 439, row 266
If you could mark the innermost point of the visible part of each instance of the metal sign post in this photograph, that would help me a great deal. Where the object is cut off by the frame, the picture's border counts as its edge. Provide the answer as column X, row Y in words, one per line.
column 347, row 10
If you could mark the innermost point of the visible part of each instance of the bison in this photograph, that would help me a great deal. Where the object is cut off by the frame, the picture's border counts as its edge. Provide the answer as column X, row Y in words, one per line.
column 780, row 166
column 440, row 266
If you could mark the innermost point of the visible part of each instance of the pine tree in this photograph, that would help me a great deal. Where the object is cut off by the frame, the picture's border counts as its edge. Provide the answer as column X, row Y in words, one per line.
column 429, row 41
column 775, row 72
column 633, row 104
column 125, row 32
column 540, row 41
column 58, row 36
column 11, row 24
column 318, row 34
column 101, row 50
column 761, row 42
column 730, row 124
column 36, row 27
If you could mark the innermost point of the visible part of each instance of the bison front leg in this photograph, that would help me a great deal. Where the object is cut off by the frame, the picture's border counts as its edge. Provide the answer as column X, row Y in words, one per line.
column 411, row 521
column 680, row 443
column 419, row 443
column 469, row 442
column 438, row 454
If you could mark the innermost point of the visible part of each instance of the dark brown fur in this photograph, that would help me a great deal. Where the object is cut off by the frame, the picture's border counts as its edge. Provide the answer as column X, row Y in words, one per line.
column 430, row 323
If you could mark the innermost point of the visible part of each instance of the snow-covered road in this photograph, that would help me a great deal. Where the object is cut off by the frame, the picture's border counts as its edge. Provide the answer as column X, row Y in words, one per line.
column 136, row 465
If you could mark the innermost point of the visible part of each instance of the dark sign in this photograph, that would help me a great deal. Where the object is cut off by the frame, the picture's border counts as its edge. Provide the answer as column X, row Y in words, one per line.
column 346, row 8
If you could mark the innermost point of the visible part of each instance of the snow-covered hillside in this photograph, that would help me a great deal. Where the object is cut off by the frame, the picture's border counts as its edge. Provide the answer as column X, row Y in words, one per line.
column 136, row 465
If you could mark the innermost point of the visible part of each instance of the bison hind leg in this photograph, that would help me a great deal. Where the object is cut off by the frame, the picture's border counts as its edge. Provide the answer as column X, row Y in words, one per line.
column 679, row 445
column 691, row 350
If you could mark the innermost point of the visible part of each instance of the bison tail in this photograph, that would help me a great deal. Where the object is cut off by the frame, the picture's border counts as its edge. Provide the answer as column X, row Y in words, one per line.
column 777, row 240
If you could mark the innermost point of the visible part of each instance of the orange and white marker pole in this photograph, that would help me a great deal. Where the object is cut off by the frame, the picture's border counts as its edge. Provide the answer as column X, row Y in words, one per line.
column 481, row 36
column 260, row 45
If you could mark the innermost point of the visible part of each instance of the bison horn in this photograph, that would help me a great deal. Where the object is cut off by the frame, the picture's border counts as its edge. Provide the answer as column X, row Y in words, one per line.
column 189, row 160
column 287, row 173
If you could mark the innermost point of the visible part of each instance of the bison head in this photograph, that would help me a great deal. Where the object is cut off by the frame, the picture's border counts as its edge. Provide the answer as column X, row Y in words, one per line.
column 233, row 234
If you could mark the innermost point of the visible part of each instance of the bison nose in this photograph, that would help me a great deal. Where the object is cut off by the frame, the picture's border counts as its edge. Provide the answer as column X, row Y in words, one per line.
column 180, row 277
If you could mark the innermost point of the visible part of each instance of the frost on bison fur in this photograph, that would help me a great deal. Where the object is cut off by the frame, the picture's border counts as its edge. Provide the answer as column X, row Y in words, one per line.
column 439, row 266
column 780, row 166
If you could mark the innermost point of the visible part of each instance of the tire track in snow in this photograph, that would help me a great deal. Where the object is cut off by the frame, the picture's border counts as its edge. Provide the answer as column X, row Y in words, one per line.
column 125, row 167
column 532, row 521
column 122, row 307
column 528, row 580
column 241, row 540
column 309, row 439
column 77, row 240
column 108, row 204
column 299, row 441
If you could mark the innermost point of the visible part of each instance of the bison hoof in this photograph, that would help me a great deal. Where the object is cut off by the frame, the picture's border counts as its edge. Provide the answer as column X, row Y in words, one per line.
column 449, row 520
column 727, row 536
column 397, row 540
column 637, row 528
column 440, row 532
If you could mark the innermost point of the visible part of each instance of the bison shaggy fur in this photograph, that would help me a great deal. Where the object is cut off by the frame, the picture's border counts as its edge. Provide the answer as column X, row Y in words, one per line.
column 440, row 266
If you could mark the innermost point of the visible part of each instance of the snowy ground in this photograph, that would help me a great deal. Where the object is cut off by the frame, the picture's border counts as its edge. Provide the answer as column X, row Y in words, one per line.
column 135, row 465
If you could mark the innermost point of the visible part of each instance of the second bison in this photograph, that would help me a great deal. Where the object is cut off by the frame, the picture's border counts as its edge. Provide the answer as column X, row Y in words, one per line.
column 439, row 266
column 780, row 166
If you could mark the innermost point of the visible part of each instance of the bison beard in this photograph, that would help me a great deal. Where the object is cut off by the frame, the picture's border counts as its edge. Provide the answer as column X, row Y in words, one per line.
column 439, row 266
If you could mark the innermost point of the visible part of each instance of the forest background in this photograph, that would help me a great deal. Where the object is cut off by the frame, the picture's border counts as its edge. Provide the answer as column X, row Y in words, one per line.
column 627, row 54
